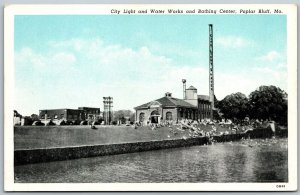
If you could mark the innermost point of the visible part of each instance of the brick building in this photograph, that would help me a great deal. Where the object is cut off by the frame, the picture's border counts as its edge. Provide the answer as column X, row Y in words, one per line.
column 192, row 106
column 70, row 115
column 169, row 108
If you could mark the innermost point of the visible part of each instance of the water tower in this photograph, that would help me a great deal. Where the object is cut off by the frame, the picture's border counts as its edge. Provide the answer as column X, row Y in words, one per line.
column 184, row 87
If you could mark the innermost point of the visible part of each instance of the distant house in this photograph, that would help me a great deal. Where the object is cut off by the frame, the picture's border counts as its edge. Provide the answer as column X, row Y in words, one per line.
column 169, row 108
column 71, row 115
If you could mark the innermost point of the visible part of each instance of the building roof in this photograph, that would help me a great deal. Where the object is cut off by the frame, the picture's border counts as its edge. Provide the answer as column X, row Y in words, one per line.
column 204, row 97
column 81, row 108
column 191, row 88
column 168, row 102
column 59, row 109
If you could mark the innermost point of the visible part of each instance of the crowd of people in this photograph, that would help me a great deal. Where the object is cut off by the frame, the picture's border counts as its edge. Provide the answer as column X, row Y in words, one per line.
column 206, row 127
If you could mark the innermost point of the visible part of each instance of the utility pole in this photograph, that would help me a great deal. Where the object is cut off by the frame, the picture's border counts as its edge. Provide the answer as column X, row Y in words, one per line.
column 104, row 110
column 108, row 104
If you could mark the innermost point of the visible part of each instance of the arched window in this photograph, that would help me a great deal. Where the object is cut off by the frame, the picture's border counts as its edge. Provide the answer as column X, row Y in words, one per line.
column 142, row 117
column 169, row 116
column 155, row 112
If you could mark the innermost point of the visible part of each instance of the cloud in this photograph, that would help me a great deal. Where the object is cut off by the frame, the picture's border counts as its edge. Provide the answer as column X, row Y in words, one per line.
column 273, row 64
column 245, row 82
column 63, row 58
column 281, row 66
column 233, row 42
column 172, row 49
column 79, row 72
column 74, row 43
column 29, row 57
column 269, row 69
column 271, row 56
column 274, row 72
column 85, row 70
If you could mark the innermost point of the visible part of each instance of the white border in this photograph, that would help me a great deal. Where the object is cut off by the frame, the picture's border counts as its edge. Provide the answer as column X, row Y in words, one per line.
column 9, row 185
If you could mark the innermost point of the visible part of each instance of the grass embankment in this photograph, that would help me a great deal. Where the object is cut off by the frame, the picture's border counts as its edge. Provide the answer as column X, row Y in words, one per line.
column 32, row 137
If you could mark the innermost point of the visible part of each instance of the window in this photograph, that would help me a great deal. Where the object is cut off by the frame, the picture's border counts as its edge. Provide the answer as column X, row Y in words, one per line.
column 169, row 116
column 142, row 117
column 154, row 112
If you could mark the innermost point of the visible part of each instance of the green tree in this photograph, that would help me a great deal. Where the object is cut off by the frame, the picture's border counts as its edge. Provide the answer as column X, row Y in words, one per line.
column 269, row 102
column 234, row 106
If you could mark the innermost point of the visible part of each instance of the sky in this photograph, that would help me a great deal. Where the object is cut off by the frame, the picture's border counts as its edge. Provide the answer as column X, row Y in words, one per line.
column 69, row 61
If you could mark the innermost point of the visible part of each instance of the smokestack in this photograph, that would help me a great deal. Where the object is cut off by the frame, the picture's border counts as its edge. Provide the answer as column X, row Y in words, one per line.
column 184, row 87
column 211, row 69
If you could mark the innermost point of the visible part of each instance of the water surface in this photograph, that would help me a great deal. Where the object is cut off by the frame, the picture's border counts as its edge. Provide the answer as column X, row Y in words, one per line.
column 255, row 160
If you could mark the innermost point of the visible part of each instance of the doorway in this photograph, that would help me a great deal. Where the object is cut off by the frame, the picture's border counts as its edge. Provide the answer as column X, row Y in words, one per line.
column 154, row 117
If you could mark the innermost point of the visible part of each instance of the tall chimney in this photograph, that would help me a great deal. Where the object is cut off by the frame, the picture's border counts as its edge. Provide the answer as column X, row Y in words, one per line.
column 211, row 69
column 184, row 87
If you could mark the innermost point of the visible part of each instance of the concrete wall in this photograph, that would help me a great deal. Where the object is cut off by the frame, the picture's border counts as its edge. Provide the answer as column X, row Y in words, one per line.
column 229, row 137
column 67, row 153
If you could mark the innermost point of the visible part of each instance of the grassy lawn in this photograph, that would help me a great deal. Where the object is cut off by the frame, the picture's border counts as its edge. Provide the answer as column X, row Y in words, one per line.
column 29, row 137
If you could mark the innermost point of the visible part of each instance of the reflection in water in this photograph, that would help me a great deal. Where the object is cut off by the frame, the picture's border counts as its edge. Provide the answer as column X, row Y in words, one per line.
column 243, row 161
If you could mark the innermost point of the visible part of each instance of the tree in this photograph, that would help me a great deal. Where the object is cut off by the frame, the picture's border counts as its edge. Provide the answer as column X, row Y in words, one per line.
column 34, row 117
column 216, row 111
column 234, row 106
column 121, row 114
column 269, row 102
column 132, row 117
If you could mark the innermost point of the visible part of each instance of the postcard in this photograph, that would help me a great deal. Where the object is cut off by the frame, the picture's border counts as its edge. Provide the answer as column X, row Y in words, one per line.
column 145, row 97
